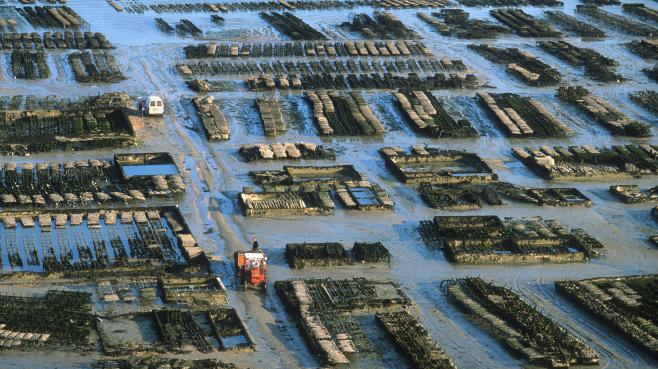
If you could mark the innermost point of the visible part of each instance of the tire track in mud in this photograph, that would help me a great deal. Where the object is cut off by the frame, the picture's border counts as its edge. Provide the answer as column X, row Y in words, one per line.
column 254, row 311
column 146, row 67
column 251, row 302
column 200, row 204
column 57, row 71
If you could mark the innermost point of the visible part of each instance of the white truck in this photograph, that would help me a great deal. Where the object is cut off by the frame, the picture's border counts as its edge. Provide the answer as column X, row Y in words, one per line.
column 153, row 105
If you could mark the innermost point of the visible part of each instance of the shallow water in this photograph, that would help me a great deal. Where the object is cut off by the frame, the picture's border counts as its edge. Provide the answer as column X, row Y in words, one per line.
column 149, row 169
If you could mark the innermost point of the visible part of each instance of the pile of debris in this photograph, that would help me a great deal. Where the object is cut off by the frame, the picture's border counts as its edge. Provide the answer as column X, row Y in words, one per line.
column 241, row 6
column 602, row 2
column 163, row 25
column 488, row 239
column 520, row 326
column 271, row 116
column 588, row 161
column 307, row 175
column 301, row 255
column 138, row 362
column 632, row 194
column 29, row 64
column 651, row 72
column 370, row 252
column 308, row 190
column 178, row 329
column 324, row 310
column 50, row 16
column 573, row 24
column 472, row 196
column 327, row 254
column 32, row 102
column 433, row 165
column 522, row 116
column 142, row 241
column 54, row 40
column 98, row 66
column 456, row 23
column 617, row 21
column 185, row 27
column 614, row 120
column 524, row 24
column 118, row 293
column 343, row 114
column 533, row 71
column 385, row 25
column 186, row 313
column 214, row 123
column 597, row 66
column 417, row 344
column 456, row 197
column 428, row 115
column 289, row 203
column 97, row 121
column 193, row 291
column 376, row 81
column 69, row 322
column 286, row 150
column 328, row 66
column 105, row 101
column 625, row 303
column 230, row 330
column 647, row 99
column 647, row 48
column 309, row 48
column 130, row 8
column 641, row 10
column 84, row 182
column 15, row 102
column 10, row 23
column 291, row 26
column 488, row 3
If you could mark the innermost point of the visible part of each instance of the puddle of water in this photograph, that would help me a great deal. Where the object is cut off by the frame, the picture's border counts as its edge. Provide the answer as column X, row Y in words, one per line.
column 150, row 170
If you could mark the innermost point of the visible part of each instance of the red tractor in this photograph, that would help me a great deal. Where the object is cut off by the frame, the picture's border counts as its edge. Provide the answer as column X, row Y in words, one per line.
column 251, row 268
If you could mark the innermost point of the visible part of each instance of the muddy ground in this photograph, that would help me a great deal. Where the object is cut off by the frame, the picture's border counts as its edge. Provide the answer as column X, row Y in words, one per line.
column 215, row 174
